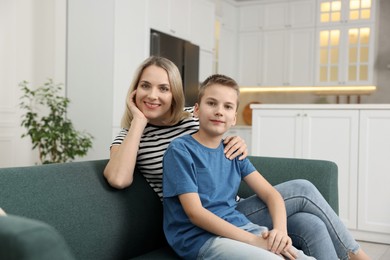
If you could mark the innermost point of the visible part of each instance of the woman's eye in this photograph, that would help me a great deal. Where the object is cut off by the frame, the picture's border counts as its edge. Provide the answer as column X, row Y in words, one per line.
column 145, row 86
column 164, row 89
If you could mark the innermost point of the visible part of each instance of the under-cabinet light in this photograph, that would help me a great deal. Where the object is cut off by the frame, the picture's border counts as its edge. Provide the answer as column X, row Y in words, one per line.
column 336, row 90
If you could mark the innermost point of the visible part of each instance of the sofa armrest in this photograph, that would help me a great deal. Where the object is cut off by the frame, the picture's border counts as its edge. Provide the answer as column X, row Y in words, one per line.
column 26, row 239
column 323, row 174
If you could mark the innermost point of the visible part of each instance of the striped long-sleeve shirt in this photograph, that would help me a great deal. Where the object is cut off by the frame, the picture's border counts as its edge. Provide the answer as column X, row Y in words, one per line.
column 154, row 142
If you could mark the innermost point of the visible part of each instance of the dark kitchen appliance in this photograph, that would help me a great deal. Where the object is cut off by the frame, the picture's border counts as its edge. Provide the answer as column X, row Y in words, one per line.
column 186, row 57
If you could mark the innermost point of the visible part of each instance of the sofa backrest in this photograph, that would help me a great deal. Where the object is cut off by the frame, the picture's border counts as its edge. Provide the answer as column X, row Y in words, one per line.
column 323, row 174
column 97, row 221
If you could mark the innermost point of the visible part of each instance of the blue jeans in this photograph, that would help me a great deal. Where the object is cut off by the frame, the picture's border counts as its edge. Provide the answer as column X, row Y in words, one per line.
column 224, row 248
column 312, row 224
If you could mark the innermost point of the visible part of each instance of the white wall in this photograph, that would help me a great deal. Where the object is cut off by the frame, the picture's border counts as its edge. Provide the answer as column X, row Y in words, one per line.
column 30, row 49
column 89, row 78
column 131, row 47
column 106, row 44
column 92, row 46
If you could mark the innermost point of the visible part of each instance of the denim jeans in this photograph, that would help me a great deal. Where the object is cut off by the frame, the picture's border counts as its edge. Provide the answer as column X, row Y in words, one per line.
column 224, row 248
column 312, row 224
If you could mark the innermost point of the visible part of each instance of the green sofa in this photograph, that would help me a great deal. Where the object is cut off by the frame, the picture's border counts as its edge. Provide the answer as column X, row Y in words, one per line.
column 68, row 211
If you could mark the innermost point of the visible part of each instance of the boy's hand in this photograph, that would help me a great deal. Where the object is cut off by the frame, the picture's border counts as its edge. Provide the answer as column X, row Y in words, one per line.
column 280, row 243
column 259, row 241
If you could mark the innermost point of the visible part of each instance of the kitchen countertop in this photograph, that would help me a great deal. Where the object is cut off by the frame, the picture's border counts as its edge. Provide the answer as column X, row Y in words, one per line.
column 321, row 106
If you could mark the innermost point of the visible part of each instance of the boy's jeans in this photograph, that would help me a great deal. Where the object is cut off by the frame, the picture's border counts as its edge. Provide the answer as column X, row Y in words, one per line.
column 312, row 224
column 225, row 248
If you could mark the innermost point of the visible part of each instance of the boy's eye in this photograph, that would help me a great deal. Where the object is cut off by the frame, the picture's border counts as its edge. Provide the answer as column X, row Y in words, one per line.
column 211, row 103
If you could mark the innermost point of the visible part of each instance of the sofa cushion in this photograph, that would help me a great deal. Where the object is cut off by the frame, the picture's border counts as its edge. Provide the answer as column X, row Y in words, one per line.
column 26, row 239
column 96, row 220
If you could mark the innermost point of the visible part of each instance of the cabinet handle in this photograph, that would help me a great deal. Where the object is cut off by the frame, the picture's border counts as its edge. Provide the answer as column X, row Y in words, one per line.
column 298, row 114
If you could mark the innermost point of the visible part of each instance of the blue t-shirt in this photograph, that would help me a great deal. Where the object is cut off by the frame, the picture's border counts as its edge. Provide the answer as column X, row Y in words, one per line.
column 188, row 167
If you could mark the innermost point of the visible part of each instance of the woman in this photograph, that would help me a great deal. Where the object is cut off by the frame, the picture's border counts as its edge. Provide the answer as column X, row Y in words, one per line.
column 155, row 115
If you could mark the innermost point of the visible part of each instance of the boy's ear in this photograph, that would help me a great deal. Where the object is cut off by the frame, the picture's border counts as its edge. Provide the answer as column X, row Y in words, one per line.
column 196, row 110
column 235, row 119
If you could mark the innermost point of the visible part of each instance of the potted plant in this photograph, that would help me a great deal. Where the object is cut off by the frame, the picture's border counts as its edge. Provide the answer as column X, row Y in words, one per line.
column 51, row 132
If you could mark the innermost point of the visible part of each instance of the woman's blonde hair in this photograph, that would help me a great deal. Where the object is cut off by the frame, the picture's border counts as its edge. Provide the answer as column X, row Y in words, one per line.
column 176, row 86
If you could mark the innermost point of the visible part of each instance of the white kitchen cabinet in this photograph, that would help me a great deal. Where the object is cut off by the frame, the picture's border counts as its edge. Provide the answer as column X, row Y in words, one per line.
column 277, row 58
column 314, row 134
column 171, row 17
column 288, row 43
column 279, row 15
column 374, row 169
column 227, row 53
column 355, row 137
column 206, row 62
column 278, row 49
column 250, row 59
column 202, row 24
column 289, row 14
column 251, row 17
column 229, row 16
column 288, row 57
column 228, row 40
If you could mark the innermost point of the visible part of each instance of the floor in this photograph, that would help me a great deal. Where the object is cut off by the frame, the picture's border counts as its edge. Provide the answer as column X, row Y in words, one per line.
column 376, row 251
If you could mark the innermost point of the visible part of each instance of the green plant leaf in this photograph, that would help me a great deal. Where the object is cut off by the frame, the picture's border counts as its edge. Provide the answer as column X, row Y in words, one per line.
column 45, row 121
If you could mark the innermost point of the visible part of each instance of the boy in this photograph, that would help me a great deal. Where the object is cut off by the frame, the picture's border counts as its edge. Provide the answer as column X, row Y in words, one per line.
column 200, row 186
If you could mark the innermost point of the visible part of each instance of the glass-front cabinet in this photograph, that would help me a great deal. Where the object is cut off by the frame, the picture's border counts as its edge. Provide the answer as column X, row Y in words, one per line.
column 345, row 49
column 345, row 56
column 345, row 11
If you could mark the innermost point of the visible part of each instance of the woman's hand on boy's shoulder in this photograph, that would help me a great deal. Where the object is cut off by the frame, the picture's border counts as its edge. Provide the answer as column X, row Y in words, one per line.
column 235, row 146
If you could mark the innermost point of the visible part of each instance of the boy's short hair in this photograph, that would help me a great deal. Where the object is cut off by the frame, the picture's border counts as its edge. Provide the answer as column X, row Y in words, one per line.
column 221, row 80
